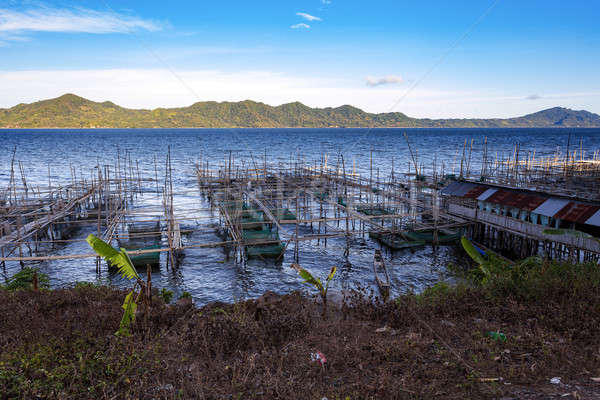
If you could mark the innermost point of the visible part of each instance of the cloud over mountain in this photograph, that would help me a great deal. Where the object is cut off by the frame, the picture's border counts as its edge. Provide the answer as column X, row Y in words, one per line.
column 533, row 97
column 386, row 80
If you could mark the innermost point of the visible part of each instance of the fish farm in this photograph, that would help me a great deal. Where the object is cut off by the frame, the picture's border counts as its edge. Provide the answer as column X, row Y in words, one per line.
column 516, row 206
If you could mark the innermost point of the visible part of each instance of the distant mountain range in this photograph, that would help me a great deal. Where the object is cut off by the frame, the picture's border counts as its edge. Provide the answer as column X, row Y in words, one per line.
column 71, row 111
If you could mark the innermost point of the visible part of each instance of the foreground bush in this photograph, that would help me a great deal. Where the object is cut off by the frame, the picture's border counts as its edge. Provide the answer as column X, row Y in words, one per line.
column 24, row 279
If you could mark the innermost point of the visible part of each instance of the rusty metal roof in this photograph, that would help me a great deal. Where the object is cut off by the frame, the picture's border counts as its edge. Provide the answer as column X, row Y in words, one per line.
column 577, row 212
column 517, row 200
column 475, row 192
column 540, row 204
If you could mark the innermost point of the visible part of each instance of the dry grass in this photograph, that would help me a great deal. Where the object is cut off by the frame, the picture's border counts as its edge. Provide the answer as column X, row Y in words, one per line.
column 60, row 344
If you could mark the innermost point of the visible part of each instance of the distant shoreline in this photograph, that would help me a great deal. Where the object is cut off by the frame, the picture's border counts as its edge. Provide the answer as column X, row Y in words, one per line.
column 74, row 112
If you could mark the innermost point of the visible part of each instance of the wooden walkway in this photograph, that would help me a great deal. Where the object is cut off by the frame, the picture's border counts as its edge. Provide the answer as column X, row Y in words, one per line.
column 32, row 227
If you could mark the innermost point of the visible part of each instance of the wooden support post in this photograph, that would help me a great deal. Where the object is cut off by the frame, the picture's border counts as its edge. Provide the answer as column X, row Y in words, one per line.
column 296, row 249
column 148, row 283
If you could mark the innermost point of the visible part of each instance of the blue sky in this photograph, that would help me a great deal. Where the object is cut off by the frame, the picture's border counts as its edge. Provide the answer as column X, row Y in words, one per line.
column 472, row 58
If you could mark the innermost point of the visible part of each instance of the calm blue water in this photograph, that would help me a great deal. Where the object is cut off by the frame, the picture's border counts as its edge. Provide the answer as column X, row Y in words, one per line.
column 207, row 273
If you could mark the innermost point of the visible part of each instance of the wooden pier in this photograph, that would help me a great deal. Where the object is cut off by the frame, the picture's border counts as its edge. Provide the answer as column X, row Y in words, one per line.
column 35, row 221
column 265, row 208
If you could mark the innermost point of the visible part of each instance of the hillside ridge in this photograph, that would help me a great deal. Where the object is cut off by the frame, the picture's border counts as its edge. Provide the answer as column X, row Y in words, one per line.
column 72, row 111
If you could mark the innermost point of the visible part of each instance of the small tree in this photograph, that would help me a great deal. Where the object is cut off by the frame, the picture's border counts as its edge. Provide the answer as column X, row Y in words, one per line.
column 28, row 278
column 316, row 282
column 121, row 260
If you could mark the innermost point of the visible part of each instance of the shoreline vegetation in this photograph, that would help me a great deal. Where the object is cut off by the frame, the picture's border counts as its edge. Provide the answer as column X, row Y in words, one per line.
column 71, row 111
column 527, row 332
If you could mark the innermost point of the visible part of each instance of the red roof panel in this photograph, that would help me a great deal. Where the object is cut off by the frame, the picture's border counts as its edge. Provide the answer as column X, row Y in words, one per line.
column 576, row 212
column 475, row 192
column 522, row 201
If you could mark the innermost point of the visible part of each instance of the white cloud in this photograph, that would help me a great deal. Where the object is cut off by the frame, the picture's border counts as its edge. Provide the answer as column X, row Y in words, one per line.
column 6, row 38
column 14, row 23
column 300, row 25
column 326, row 1
column 533, row 97
column 386, row 80
column 308, row 17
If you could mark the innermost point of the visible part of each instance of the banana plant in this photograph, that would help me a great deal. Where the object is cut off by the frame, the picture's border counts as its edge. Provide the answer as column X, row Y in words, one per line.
column 472, row 251
column 483, row 262
column 121, row 260
column 492, row 266
column 316, row 282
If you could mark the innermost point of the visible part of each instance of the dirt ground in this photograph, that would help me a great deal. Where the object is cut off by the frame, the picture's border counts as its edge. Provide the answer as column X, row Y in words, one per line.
column 61, row 344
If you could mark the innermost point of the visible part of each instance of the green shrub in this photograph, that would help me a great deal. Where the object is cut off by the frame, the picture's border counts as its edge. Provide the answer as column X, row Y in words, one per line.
column 24, row 279
column 82, row 285
column 534, row 279
column 436, row 292
column 185, row 295
column 442, row 292
column 166, row 295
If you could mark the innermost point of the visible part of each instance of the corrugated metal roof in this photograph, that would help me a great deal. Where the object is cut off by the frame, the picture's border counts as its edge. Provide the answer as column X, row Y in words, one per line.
column 551, row 206
column 451, row 188
column 518, row 200
column 458, row 188
column 594, row 219
column 576, row 212
column 475, row 192
column 487, row 194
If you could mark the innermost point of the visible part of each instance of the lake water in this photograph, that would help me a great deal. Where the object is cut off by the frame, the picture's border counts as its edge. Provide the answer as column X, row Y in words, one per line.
column 207, row 273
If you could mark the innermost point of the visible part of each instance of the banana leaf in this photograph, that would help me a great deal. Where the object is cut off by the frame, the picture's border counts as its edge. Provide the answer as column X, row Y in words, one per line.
column 128, row 318
column 472, row 251
column 330, row 277
column 120, row 259
column 331, row 273
column 316, row 282
column 308, row 278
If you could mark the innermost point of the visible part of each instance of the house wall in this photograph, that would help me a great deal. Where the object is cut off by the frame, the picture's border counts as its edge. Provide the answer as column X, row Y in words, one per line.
column 530, row 230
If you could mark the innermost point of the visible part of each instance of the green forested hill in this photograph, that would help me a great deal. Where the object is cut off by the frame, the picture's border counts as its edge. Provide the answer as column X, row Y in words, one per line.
column 71, row 111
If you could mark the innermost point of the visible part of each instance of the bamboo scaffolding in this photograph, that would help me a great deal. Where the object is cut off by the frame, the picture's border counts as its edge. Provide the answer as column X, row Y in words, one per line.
column 314, row 189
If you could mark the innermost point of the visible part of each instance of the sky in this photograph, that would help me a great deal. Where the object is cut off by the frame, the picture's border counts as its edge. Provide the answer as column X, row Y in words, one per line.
column 434, row 59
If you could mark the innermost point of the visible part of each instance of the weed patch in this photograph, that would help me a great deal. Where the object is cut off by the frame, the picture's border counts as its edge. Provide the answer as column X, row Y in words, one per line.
column 61, row 343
